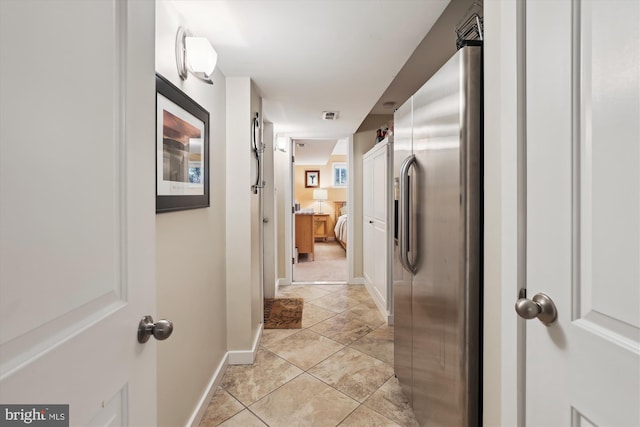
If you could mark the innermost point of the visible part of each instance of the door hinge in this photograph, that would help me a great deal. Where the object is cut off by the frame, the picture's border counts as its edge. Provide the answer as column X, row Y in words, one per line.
column 293, row 260
column 293, row 159
column 293, row 209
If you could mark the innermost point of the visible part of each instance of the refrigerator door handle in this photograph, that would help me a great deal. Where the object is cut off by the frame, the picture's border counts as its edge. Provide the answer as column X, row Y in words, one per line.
column 403, row 214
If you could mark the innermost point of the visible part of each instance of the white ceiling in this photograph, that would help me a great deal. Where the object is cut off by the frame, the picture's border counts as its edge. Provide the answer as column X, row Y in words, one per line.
column 313, row 151
column 310, row 56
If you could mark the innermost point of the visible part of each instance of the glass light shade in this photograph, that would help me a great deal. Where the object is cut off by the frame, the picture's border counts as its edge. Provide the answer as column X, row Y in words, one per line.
column 201, row 56
column 281, row 144
column 320, row 194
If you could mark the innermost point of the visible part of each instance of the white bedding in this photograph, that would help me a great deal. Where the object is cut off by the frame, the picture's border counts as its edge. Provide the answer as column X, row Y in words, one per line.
column 341, row 228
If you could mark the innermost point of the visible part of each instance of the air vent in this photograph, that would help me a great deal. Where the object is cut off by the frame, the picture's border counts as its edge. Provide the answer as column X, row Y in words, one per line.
column 329, row 115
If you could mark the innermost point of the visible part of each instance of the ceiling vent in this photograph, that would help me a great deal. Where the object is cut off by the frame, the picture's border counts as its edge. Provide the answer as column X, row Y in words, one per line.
column 329, row 115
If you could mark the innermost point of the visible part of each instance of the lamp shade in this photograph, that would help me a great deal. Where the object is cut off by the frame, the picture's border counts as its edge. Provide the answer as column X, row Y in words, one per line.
column 201, row 56
column 320, row 195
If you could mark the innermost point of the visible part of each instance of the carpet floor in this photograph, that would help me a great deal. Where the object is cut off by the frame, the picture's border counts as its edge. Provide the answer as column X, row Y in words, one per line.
column 330, row 264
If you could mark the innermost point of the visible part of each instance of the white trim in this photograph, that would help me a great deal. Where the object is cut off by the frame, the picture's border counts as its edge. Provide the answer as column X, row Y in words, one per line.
column 289, row 246
column 281, row 281
column 321, row 282
column 350, row 217
column 246, row 357
column 357, row 281
column 380, row 302
column 500, row 331
column 203, row 403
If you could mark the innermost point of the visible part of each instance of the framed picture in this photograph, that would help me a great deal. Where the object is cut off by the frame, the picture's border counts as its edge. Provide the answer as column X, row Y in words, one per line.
column 339, row 174
column 182, row 150
column 311, row 179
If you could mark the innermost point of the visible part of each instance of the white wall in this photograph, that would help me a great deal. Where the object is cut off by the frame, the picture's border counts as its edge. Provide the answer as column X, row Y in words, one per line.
column 244, row 301
column 191, row 255
column 257, row 261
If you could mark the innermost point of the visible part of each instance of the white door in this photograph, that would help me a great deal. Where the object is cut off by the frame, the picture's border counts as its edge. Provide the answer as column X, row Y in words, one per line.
column 77, row 207
column 368, row 249
column 379, row 241
column 375, row 235
column 583, row 211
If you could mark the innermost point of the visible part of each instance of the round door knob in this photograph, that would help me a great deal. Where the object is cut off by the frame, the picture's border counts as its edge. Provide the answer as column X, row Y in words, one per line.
column 527, row 309
column 540, row 306
column 161, row 330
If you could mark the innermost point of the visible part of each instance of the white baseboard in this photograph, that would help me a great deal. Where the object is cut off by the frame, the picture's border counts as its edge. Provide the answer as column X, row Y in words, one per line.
column 281, row 281
column 380, row 302
column 203, row 403
column 246, row 357
column 357, row 281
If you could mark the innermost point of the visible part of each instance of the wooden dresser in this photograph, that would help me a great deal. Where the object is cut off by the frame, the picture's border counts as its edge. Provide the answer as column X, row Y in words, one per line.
column 305, row 234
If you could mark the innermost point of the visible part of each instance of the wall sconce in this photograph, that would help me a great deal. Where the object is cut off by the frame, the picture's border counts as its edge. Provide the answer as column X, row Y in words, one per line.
column 281, row 144
column 195, row 55
column 320, row 195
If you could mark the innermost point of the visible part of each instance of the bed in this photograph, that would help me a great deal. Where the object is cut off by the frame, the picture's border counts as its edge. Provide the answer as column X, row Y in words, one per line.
column 340, row 229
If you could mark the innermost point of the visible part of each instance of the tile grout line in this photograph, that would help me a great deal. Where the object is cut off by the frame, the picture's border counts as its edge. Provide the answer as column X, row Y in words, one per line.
column 360, row 303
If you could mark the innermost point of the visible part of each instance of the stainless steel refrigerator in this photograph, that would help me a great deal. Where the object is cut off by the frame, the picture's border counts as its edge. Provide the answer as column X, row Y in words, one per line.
column 438, row 244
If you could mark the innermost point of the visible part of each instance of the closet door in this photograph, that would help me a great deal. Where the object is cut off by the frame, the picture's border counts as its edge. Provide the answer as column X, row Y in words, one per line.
column 376, row 187
column 367, row 222
column 77, row 211
column 379, row 222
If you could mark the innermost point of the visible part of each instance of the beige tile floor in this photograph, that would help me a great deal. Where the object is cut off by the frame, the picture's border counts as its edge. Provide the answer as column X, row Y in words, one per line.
column 335, row 371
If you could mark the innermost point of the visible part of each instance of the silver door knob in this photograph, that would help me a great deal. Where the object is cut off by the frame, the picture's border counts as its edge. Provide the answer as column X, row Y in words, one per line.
column 540, row 306
column 161, row 330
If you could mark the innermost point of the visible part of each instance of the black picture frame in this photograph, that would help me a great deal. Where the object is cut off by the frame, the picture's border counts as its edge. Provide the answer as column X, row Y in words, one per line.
column 182, row 150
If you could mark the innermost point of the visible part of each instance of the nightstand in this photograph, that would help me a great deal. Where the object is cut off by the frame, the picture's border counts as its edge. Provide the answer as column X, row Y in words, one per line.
column 321, row 226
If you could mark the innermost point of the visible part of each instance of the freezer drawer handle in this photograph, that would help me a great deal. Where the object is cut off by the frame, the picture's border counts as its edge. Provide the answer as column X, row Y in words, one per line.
column 404, row 214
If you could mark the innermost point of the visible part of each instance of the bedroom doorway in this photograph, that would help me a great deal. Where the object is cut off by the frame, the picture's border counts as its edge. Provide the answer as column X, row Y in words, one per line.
column 320, row 179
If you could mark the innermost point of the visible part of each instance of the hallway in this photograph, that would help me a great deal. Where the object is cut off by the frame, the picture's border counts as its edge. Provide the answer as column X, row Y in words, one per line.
column 336, row 370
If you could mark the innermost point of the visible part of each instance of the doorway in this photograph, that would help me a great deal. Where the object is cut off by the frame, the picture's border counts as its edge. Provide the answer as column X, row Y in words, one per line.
column 319, row 186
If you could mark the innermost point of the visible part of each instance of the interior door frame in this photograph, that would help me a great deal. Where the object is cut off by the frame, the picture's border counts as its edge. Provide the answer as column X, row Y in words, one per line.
column 289, row 215
column 350, row 209
column 291, row 227
column 504, row 130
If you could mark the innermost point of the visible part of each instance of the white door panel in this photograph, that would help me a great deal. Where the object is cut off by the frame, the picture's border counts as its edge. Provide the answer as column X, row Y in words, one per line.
column 583, row 211
column 609, row 153
column 77, row 212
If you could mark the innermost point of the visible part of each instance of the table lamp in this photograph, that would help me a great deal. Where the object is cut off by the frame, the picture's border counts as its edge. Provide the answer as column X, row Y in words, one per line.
column 320, row 195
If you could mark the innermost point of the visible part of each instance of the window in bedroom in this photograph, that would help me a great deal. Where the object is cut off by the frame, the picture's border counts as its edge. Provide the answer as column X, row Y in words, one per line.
column 339, row 174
